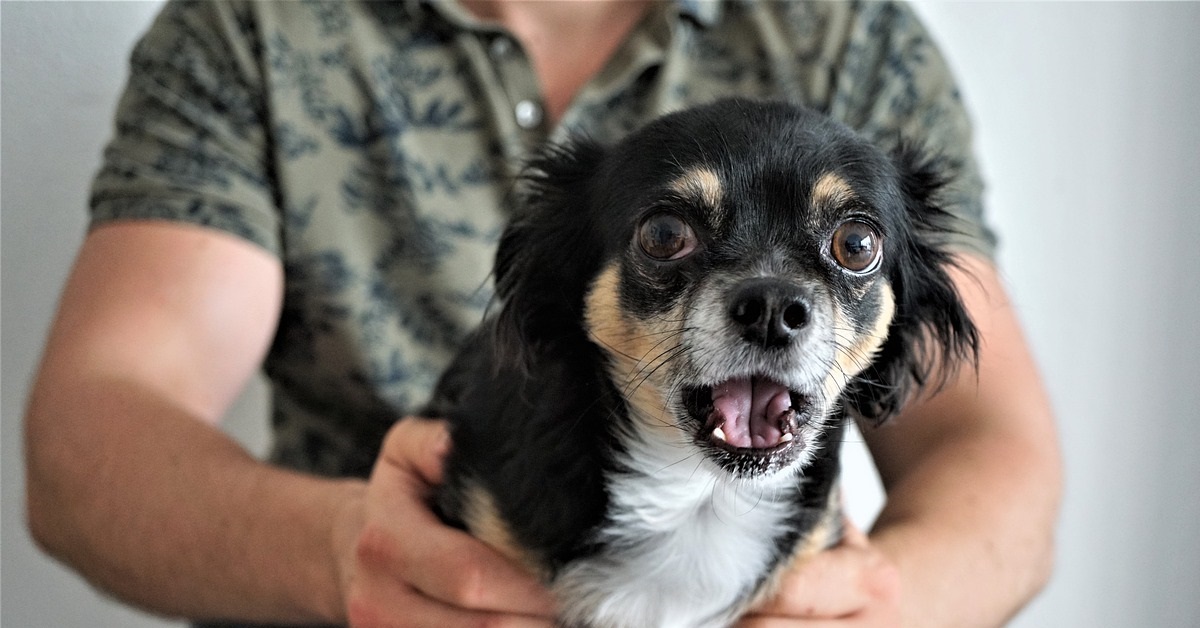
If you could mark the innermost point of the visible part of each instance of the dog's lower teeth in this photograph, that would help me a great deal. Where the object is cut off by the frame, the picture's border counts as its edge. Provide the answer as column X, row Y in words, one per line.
column 719, row 434
column 786, row 438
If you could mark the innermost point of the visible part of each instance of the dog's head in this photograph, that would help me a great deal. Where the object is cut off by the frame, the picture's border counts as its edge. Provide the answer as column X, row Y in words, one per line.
column 748, row 270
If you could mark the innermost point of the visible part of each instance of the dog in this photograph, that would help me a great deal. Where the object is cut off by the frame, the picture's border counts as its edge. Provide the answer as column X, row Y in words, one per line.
column 650, row 420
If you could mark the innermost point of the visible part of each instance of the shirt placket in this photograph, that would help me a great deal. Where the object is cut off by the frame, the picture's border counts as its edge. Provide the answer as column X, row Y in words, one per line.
column 520, row 83
column 521, row 101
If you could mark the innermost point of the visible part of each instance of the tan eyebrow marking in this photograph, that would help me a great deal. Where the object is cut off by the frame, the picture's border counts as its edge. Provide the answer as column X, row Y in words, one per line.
column 831, row 190
column 704, row 185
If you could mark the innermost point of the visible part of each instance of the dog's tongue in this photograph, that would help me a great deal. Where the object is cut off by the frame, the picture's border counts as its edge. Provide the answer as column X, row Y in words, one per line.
column 750, row 411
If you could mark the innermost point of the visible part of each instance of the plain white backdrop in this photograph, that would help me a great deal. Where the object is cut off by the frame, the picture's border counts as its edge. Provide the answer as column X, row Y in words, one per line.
column 1089, row 136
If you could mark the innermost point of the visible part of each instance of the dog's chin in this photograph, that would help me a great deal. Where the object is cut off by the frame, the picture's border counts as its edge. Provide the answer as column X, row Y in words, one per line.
column 752, row 427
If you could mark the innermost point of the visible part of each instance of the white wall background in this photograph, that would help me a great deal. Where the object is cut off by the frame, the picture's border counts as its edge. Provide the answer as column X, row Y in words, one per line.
column 1089, row 134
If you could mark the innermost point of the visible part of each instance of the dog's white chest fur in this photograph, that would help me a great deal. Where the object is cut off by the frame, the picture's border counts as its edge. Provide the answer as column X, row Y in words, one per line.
column 689, row 543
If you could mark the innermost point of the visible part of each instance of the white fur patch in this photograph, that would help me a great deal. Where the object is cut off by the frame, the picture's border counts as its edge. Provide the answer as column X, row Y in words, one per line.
column 689, row 542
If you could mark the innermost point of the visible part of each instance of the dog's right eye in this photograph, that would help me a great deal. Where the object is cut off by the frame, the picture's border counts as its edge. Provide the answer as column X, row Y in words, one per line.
column 666, row 237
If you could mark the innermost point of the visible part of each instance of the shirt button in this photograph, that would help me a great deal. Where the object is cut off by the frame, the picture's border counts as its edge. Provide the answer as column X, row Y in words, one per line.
column 500, row 47
column 529, row 114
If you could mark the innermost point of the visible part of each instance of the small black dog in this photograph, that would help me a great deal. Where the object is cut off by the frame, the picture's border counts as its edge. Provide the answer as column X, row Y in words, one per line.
column 651, row 420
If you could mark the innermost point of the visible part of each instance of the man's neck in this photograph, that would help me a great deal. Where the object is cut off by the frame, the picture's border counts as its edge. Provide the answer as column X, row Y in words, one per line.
column 567, row 41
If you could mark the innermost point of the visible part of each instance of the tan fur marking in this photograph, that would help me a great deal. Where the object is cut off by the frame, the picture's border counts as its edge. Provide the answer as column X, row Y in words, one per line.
column 855, row 353
column 484, row 521
column 702, row 184
column 827, row 531
column 637, row 348
column 831, row 190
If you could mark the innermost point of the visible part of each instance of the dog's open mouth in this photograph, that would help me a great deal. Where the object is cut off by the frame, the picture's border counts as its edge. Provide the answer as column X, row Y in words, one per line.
column 749, row 416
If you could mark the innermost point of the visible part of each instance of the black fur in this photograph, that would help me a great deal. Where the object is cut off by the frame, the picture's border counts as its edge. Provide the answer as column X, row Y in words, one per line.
column 529, row 379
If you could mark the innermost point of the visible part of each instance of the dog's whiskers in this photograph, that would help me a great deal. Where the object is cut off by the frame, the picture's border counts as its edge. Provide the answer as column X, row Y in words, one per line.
column 644, row 369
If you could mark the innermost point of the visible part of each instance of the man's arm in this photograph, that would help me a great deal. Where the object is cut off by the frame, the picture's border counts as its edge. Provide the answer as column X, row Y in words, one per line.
column 158, row 329
column 130, row 483
column 973, row 479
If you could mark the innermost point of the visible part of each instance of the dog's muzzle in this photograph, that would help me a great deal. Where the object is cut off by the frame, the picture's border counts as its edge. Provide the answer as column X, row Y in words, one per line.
column 750, row 421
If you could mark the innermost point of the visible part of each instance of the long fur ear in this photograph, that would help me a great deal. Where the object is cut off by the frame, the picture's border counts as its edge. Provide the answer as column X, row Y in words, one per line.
column 931, row 335
column 549, row 251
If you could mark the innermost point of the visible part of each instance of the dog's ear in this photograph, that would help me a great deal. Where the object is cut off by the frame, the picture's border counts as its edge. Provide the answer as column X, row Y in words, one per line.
column 931, row 334
column 550, row 250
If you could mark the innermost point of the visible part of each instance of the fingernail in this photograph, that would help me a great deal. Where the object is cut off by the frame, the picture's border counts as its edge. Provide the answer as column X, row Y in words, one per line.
column 441, row 444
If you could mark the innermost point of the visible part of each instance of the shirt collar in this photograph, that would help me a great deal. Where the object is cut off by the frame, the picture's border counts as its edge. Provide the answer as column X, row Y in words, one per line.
column 703, row 12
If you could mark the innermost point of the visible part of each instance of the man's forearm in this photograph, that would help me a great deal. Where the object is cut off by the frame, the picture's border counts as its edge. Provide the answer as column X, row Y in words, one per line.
column 970, row 531
column 199, row 528
column 973, row 477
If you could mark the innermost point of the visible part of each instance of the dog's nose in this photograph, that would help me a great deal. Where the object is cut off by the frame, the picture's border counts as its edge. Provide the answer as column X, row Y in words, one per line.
column 768, row 311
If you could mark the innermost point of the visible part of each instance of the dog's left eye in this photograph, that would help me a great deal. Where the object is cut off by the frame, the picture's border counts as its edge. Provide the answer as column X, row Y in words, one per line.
column 856, row 246
column 666, row 237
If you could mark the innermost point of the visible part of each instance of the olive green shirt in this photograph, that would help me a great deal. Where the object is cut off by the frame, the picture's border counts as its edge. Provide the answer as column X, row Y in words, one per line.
column 370, row 145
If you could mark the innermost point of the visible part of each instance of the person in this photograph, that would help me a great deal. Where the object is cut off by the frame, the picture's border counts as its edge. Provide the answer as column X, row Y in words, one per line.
column 316, row 189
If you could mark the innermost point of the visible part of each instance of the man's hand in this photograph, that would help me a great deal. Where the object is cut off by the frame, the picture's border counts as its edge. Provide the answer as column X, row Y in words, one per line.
column 401, row 566
column 853, row 584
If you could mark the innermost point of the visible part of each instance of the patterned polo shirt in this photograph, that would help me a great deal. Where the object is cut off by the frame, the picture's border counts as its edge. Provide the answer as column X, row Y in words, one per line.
column 370, row 145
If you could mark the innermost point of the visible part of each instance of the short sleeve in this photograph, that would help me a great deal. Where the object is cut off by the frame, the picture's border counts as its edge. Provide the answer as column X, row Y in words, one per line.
column 895, row 86
column 190, row 140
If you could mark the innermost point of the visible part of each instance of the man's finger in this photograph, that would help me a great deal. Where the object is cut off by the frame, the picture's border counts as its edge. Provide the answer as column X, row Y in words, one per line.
column 419, row 446
column 441, row 562
column 446, row 564
column 828, row 585
column 472, row 575
column 788, row 622
column 390, row 603
column 852, row 535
